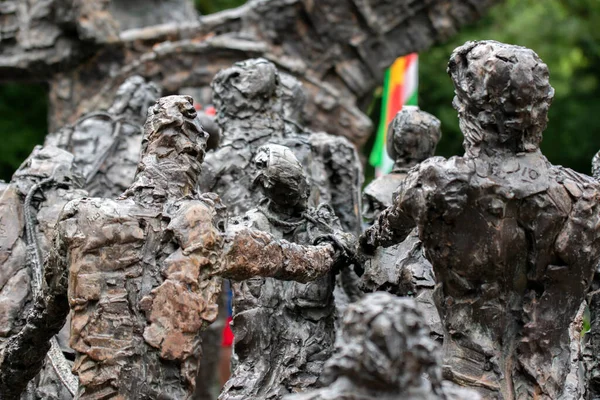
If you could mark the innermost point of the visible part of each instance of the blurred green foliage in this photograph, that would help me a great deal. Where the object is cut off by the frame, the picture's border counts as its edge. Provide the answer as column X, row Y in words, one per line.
column 211, row 6
column 23, row 123
column 562, row 32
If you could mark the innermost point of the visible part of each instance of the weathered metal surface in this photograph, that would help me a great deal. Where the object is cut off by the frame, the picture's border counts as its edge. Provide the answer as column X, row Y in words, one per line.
column 403, row 269
column 144, row 269
column 33, row 308
column 338, row 49
column 257, row 104
column 513, row 240
column 384, row 352
column 107, row 143
column 284, row 331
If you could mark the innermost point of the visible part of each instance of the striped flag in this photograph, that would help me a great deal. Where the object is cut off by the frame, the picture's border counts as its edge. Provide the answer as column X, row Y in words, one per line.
column 399, row 89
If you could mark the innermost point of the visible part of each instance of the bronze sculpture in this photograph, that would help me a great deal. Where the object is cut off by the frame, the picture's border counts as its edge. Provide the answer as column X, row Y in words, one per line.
column 256, row 104
column 87, row 53
column 284, row 331
column 412, row 137
column 107, row 143
column 508, row 234
column 145, row 269
column 384, row 352
column 403, row 269
column 30, row 314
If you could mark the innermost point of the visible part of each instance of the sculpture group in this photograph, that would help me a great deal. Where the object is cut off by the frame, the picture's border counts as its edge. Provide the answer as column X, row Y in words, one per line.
column 480, row 264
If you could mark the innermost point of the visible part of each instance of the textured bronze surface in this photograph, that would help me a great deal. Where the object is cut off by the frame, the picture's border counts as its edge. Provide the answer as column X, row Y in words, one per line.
column 384, row 352
column 513, row 239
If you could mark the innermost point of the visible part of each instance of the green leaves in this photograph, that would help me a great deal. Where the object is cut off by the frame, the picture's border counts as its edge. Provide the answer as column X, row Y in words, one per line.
column 23, row 123
column 212, row 6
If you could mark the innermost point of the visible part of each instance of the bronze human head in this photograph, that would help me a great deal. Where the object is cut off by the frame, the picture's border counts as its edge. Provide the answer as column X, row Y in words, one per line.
column 412, row 137
column 280, row 176
column 502, row 97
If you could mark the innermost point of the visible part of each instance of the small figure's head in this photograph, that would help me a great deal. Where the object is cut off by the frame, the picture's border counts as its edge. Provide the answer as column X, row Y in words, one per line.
column 412, row 137
column 134, row 97
column 281, row 177
column 502, row 97
column 384, row 345
column 247, row 86
column 247, row 98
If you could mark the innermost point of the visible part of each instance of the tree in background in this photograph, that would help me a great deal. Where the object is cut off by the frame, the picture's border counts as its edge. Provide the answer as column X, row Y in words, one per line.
column 23, row 123
column 212, row 6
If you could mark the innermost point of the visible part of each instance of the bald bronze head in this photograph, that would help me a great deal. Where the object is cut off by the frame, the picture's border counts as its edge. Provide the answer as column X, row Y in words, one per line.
column 412, row 137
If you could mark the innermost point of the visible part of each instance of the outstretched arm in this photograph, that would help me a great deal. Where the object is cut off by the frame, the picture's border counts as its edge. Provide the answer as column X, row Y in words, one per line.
column 436, row 188
column 249, row 253
column 392, row 226
column 395, row 222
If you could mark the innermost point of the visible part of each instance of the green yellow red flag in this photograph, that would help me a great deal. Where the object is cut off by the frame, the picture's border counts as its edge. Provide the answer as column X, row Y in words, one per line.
column 400, row 87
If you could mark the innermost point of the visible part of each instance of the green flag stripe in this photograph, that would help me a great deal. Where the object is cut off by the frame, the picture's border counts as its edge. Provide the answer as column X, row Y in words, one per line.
column 413, row 100
column 376, row 156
